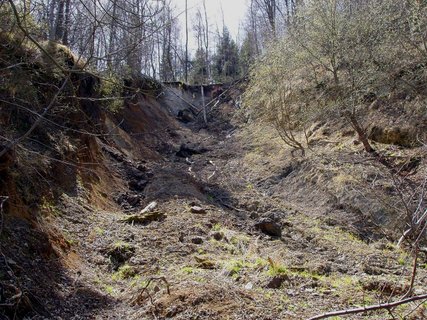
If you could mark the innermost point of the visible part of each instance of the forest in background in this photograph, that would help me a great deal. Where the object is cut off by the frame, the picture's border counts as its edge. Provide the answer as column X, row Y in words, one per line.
column 132, row 37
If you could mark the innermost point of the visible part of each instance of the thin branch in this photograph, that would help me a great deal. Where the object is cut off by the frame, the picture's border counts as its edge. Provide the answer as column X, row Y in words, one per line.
column 13, row 66
column 29, row 36
column 381, row 306
column 414, row 273
column 36, row 123
column 2, row 201
column 62, row 126
column 138, row 299
column 48, row 55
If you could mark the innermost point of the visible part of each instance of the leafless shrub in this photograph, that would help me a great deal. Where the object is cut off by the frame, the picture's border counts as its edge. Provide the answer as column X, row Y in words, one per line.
column 338, row 56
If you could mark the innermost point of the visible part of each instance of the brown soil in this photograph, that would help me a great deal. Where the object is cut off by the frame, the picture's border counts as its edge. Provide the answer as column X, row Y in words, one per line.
column 74, row 257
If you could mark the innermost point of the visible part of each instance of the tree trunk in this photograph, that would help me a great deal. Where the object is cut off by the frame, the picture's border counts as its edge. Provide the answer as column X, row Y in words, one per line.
column 186, row 41
column 67, row 22
column 205, row 119
column 112, row 37
column 208, row 68
column 360, row 132
column 51, row 19
column 271, row 14
column 254, row 28
column 59, row 23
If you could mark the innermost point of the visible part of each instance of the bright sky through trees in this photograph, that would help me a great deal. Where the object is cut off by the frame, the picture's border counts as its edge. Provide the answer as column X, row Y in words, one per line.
column 233, row 12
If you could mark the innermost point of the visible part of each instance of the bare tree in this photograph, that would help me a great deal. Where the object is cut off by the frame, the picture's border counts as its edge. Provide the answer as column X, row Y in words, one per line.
column 338, row 45
column 269, row 9
column 206, row 40
column 186, row 41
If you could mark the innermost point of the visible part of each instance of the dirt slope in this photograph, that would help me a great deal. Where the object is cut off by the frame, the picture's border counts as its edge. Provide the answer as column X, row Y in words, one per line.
column 241, row 228
column 216, row 264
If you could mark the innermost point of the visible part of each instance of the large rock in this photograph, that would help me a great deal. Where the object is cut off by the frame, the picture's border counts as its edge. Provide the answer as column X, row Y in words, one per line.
column 128, row 200
column 277, row 281
column 185, row 116
column 269, row 227
column 137, row 185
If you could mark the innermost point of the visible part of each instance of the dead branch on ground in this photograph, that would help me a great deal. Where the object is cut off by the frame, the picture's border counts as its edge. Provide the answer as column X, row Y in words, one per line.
column 140, row 296
column 381, row 306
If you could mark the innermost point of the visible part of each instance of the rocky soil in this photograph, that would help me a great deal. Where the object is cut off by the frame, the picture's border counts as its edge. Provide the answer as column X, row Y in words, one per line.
column 187, row 221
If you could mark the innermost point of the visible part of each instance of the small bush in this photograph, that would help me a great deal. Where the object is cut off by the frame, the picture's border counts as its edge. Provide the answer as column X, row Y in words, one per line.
column 111, row 90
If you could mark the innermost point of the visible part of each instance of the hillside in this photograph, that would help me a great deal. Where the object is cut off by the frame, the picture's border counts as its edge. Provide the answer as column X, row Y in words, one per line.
column 145, row 212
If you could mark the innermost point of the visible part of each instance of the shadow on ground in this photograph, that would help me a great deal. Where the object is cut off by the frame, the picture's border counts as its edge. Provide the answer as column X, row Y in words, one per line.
column 34, row 282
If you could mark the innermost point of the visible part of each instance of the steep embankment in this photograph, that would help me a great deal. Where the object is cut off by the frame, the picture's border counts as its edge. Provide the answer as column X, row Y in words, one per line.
column 241, row 229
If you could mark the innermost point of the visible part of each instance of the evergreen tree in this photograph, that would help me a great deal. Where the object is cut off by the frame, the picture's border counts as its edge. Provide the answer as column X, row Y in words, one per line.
column 247, row 54
column 226, row 60
column 199, row 70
